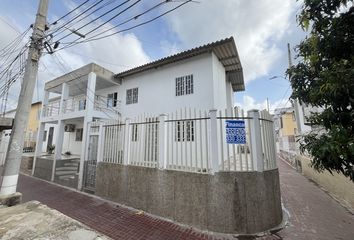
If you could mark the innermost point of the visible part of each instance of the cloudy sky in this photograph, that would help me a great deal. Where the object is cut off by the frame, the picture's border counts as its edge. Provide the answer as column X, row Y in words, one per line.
column 261, row 30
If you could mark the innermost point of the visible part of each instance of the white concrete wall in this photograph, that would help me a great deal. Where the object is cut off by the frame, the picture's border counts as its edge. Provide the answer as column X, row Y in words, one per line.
column 46, row 128
column 157, row 88
column 219, row 84
column 69, row 142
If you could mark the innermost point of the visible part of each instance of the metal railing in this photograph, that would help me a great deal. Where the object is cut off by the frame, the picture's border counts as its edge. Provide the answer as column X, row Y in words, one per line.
column 74, row 104
column 191, row 140
column 51, row 109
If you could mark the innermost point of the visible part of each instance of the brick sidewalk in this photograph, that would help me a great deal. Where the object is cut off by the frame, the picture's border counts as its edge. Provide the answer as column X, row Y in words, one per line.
column 112, row 220
column 313, row 213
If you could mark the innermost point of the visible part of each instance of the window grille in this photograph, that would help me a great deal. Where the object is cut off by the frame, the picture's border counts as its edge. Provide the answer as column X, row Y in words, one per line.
column 132, row 95
column 184, row 85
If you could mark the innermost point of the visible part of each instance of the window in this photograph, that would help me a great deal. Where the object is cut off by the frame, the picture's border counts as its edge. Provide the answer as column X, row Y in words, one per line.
column 79, row 132
column 44, row 136
column 134, row 133
column 132, row 95
column 112, row 99
column 82, row 104
column 184, row 85
column 184, row 131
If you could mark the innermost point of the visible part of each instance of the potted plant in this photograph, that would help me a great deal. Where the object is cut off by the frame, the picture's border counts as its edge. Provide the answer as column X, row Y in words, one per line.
column 51, row 149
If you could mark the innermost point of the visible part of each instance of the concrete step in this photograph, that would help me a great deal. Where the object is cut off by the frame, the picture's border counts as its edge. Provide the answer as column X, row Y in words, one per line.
column 62, row 173
column 67, row 177
column 66, row 168
column 72, row 164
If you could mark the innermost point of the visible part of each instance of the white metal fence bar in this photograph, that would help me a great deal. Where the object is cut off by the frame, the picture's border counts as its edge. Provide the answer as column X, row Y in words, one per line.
column 268, row 140
column 187, row 141
column 144, row 141
column 191, row 140
column 113, row 142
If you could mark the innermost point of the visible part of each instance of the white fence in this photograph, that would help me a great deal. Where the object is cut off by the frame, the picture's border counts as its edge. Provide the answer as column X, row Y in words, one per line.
column 189, row 140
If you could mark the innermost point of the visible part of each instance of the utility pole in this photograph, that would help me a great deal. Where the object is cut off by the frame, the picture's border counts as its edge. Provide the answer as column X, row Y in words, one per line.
column 14, row 152
column 297, row 105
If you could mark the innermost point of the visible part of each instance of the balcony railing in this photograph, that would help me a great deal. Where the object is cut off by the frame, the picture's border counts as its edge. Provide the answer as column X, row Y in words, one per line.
column 78, row 103
column 104, row 104
column 52, row 109
column 75, row 104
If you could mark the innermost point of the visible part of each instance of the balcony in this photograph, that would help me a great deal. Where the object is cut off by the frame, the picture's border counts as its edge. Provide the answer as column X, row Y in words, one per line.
column 81, row 95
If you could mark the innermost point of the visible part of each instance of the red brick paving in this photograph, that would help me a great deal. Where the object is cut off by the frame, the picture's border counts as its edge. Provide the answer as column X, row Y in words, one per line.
column 110, row 219
column 314, row 214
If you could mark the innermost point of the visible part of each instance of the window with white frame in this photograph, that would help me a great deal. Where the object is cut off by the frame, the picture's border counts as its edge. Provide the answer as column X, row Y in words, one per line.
column 82, row 104
column 132, row 96
column 184, row 85
column 112, row 99
column 44, row 136
column 184, row 131
column 134, row 132
column 79, row 133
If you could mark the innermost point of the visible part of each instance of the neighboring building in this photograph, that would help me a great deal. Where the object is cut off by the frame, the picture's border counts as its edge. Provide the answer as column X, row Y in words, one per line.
column 33, row 118
column 285, row 129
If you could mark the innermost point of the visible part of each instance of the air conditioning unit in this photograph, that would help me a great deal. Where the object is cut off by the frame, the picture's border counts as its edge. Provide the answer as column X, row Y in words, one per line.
column 69, row 128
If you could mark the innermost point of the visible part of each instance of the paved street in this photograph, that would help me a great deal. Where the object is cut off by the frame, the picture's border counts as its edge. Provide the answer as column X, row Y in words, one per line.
column 314, row 214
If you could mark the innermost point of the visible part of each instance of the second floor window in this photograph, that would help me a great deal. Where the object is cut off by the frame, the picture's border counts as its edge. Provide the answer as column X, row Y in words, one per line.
column 184, row 85
column 112, row 99
column 82, row 104
column 132, row 96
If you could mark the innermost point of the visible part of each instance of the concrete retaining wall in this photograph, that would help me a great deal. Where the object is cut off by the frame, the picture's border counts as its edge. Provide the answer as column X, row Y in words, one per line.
column 227, row 202
column 336, row 185
column 43, row 168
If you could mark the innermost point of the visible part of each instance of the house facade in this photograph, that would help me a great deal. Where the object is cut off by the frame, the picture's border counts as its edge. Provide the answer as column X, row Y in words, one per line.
column 165, row 138
column 202, row 78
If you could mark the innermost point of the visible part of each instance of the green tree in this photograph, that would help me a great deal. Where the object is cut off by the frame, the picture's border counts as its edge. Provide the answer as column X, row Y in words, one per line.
column 324, row 77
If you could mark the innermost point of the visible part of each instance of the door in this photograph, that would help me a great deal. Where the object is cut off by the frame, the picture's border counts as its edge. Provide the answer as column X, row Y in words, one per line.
column 90, row 164
column 50, row 138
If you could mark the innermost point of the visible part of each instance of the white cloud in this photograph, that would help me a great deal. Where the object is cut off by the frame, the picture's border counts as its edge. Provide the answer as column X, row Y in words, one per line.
column 254, row 24
column 249, row 103
column 116, row 53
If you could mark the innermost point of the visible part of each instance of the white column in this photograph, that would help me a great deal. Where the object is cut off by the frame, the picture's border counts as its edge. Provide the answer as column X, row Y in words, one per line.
column 63, row 98
column 60, row 128
column 213, row 140
column 90, row 99
column 162, row 142
column 45, row 104
column 58, row 145
column 256, row 140
column 39, row 144
column 41, row 127
column 127, row 141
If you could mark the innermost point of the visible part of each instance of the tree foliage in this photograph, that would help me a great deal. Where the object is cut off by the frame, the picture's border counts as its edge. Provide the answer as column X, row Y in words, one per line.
column 324, row 77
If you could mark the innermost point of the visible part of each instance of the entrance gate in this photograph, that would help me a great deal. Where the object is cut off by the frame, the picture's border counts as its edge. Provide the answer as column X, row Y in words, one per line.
column 90, row 164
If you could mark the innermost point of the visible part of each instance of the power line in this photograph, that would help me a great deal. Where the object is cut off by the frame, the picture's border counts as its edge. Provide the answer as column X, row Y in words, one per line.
column 128, row 20
column 78, row 15
column 124, row 30
column 118, row 6
column 55, row 22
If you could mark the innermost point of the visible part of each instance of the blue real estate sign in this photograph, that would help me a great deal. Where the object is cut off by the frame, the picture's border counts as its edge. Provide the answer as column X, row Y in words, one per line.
column 235, row 132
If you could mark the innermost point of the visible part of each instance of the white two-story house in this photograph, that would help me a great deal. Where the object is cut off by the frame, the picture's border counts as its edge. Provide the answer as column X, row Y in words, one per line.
column 204, row 78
